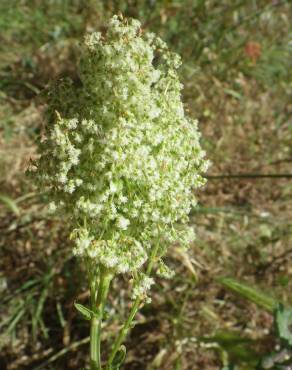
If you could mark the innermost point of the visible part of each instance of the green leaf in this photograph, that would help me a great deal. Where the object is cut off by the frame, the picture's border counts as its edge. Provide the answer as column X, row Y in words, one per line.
column 37, row 316
column 119, row 358
column 283, row 319
column 276, row 360
column 85, row 312
column 226, row 338
column 252, row 294
column 239, row 349
column 233, row 93
column 9, row 203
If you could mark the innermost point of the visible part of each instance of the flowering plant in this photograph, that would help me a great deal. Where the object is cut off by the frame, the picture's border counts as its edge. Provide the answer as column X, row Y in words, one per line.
column 120, row 159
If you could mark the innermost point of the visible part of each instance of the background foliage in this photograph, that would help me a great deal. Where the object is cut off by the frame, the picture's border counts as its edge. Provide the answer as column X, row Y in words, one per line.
column 237, row 76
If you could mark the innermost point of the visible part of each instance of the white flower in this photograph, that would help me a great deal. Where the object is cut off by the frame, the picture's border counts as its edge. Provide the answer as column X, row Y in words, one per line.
column 52, row 207
column 113, row 187
column 122, row 223
column 164, row 271
column 72, row 123
column 78, row 138
column 141, row 286
column 62, row 178
column 154, row 112
column 123, row 199
column 70, row 187
column 120, row 151
column 137, row 203
column 78, row 182
column 82, row 244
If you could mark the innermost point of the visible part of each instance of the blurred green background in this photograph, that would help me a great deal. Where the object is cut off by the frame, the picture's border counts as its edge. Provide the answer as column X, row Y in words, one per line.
column 237, row 77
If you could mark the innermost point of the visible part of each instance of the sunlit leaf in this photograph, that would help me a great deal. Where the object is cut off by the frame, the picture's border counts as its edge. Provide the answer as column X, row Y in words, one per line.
column 252, row 294
column 85, row 312
column 9, row 203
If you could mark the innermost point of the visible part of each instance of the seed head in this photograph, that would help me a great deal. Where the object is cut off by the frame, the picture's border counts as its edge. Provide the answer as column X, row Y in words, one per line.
column 121, row 159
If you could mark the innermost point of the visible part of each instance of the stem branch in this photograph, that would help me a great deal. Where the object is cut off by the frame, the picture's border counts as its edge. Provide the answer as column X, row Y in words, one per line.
column 97, row 306
column 127, row 325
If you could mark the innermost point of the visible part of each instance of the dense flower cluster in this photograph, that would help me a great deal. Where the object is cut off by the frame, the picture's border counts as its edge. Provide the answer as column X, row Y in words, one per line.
column 141, row 287
column 120, row 157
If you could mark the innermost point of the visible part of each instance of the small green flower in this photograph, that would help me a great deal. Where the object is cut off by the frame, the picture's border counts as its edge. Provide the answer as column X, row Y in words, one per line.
column 121, row 158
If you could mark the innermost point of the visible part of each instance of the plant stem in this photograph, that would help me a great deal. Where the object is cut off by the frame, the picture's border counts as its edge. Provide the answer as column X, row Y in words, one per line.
column 94, row 348
column 123, row 332
column 127, row 325
column 97, row 306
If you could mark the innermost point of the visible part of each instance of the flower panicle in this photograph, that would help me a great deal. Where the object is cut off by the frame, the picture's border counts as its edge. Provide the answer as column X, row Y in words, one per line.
column 120, row 152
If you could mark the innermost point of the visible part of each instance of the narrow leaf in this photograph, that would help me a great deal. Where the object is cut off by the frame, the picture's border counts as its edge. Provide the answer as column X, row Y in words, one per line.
column 252, row 294
column 283, row 318
column 119, row 358
column 9, row 203
column 233, row 93
column 85, row 312
column 236, row 346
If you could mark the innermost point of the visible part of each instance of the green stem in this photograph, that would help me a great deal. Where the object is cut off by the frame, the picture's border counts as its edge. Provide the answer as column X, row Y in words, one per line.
column 124, row 331
column 127, row 325
column 97, row 305
column 94, row 349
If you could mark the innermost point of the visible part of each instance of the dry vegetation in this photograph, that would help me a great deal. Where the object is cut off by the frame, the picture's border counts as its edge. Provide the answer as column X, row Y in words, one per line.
column 238, row 84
